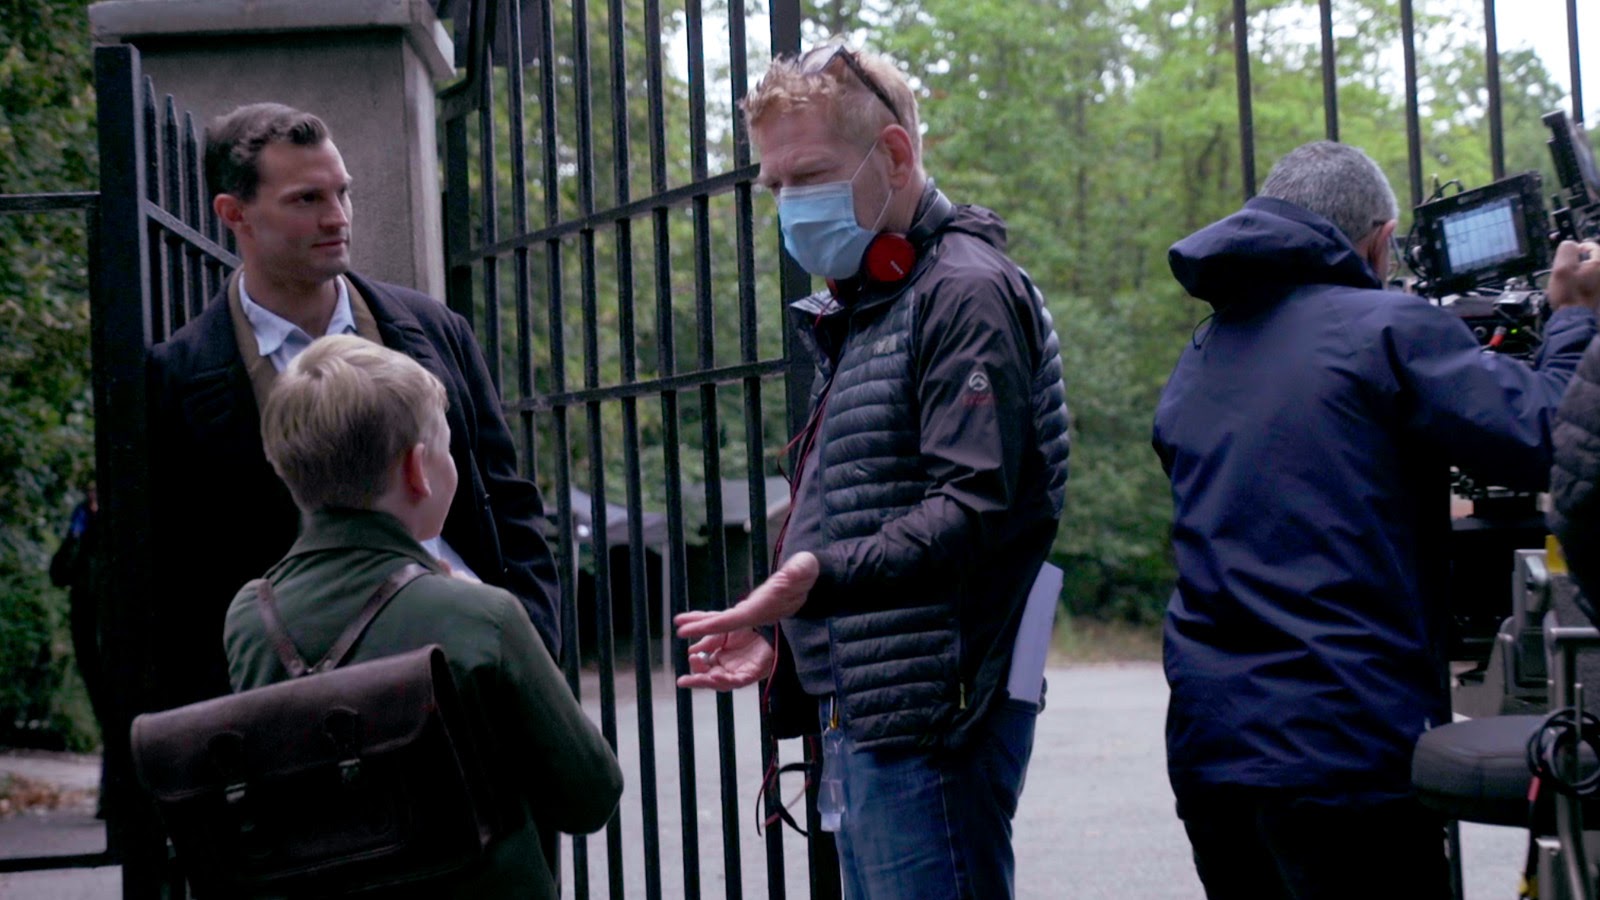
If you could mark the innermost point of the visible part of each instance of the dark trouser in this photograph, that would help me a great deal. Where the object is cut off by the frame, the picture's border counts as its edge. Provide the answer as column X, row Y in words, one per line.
column 1251, row 844
column 922, row 826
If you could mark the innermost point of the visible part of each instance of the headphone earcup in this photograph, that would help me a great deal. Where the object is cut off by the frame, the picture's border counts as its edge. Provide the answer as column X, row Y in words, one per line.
column 889, row 259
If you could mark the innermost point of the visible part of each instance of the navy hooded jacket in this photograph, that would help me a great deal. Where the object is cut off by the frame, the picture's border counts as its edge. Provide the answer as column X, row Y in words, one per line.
column 1307, row 430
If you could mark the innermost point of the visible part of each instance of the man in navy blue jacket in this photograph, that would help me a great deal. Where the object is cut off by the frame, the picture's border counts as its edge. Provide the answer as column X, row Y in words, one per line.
column 1307, row 431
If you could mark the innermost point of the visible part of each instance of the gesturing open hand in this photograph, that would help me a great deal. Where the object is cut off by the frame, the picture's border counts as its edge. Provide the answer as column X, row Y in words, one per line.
column 729, row 653
column 727, row 661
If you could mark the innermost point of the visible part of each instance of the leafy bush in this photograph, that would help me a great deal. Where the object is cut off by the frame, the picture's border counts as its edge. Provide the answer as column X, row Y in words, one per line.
column 42, row 698
column 25, row 657
column 47, row 144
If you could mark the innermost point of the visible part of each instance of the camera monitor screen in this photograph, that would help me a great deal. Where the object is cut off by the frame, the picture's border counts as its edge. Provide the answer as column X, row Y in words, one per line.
column 1482, row 237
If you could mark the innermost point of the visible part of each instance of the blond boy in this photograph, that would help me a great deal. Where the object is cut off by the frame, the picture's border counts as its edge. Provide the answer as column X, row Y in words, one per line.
column 359, row 435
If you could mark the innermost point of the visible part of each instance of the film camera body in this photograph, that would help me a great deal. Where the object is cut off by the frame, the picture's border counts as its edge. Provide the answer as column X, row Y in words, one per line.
column 1480, row 254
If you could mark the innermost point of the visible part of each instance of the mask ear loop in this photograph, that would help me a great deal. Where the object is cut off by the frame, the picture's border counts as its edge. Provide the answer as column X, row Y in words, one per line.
column 887, row 196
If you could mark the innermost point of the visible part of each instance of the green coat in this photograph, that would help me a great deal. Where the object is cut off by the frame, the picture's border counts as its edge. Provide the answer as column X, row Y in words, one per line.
column 545, row 757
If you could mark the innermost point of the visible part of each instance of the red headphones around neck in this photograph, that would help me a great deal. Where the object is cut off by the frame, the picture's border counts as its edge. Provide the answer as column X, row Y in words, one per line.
column 891, row 257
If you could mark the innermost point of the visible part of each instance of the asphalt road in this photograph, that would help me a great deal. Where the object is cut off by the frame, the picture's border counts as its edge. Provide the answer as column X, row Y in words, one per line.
column 1096, row 818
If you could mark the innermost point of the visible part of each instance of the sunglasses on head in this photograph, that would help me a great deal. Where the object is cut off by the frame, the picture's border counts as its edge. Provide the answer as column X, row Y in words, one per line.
column 818, row 60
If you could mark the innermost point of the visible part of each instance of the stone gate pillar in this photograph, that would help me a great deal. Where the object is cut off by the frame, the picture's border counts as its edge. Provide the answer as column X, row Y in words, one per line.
column 367, row 67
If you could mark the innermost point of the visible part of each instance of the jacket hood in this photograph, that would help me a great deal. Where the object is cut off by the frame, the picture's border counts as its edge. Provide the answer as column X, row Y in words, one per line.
column 1263, row 248
column 983, row 224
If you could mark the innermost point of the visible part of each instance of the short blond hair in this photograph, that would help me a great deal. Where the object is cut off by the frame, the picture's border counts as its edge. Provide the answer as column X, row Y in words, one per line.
column 342, row 415
column 853, row 109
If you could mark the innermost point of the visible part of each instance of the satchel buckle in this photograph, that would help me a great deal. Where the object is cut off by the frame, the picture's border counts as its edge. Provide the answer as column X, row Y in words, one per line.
column 349, row 772
column 342, row 727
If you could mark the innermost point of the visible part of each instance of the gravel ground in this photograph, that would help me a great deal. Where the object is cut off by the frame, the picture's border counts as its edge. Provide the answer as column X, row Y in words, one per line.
column 1096, row 818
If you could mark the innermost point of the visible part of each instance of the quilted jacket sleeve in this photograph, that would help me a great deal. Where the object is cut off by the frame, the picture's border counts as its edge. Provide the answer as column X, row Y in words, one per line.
column 1575, row 501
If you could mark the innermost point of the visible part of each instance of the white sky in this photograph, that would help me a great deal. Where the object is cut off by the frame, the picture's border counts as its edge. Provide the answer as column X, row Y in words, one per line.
column 1542, row 25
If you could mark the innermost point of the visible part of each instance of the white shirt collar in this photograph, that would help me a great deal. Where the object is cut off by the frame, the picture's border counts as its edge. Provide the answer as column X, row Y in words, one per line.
column 272, row 331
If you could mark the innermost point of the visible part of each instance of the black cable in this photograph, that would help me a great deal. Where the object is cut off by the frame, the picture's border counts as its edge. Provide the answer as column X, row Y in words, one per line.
column 1560, row 730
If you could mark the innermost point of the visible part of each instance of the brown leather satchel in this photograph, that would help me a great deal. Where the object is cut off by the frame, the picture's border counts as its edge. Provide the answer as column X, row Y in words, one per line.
column 336, row 781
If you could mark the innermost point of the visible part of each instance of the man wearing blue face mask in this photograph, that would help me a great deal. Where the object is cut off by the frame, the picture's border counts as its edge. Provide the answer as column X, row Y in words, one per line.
column 931, row 477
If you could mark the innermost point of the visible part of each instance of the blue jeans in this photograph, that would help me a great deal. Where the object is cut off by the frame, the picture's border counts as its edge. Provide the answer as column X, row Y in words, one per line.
column 936, row 826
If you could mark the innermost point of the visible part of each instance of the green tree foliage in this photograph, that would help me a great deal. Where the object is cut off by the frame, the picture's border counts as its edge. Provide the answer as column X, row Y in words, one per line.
column 47, row 142
column 1104, row 130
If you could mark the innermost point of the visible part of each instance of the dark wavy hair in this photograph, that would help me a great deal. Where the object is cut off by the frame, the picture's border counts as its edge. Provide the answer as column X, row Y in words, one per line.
column 234, row 142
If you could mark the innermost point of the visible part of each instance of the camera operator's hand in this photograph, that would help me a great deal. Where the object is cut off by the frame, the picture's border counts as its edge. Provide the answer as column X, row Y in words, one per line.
column 1575, row 276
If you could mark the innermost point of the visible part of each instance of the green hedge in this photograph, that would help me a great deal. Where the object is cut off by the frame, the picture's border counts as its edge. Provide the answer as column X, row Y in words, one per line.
column 42, row 697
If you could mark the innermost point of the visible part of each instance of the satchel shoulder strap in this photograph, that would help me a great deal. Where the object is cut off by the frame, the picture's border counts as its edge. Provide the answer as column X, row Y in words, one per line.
column 284, row 645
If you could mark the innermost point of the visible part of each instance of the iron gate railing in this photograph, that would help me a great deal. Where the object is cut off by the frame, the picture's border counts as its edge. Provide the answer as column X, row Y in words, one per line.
column 154, row 259
column 87, row 203
column 637, row 394
column 158, row 260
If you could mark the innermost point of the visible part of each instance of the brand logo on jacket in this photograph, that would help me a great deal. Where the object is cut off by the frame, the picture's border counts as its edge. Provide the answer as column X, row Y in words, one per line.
column 977, row 392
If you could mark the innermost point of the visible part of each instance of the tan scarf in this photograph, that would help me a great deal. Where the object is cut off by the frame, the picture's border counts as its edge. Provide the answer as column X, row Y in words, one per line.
column 262, row 373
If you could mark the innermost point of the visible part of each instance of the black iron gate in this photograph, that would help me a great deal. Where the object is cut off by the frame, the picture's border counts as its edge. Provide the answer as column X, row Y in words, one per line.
column 154, row 258
column 158, row 259
column 159, row 254
column 552, row 107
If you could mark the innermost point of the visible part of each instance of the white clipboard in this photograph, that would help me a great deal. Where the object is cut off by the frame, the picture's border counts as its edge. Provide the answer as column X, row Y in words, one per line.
column 1026, row 681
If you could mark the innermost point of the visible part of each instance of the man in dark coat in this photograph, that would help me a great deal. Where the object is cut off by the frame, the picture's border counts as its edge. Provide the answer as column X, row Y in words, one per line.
column 223, row 517
column 930, row 484
column 1307, row 430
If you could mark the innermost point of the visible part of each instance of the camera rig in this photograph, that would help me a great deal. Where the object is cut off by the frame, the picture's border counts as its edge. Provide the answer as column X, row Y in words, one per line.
column 1482, row 254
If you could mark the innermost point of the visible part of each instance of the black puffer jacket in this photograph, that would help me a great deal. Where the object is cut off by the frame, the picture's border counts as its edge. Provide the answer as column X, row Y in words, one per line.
column 944, row 462
column 1575, row 479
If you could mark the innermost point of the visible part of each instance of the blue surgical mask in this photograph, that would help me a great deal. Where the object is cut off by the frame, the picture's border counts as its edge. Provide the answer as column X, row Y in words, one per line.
column 820, row 229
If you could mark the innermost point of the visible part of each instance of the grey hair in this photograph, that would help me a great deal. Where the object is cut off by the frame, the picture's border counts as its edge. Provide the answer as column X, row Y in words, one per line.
column 1337, row 182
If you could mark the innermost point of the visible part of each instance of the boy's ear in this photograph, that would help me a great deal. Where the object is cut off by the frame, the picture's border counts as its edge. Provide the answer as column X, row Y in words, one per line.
column 414, row 469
